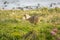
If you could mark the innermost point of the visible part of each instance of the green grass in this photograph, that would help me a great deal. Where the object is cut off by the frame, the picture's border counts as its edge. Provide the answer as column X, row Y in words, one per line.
column 14, row 28
column 18, row 31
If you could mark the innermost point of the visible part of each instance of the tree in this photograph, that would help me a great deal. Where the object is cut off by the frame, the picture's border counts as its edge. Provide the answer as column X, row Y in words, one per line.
column 52, row 4
column 5, row 2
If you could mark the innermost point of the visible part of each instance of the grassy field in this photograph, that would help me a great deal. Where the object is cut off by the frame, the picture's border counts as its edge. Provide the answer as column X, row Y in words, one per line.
column 12, row 27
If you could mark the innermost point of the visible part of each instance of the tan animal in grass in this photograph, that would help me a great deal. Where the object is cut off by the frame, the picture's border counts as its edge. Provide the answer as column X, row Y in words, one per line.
column 32, row 19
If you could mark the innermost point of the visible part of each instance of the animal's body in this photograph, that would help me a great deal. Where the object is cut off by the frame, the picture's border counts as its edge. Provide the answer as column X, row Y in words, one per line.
column 32, row 19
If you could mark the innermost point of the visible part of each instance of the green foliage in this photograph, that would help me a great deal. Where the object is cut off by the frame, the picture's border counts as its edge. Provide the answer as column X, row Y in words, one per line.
column 12, row 27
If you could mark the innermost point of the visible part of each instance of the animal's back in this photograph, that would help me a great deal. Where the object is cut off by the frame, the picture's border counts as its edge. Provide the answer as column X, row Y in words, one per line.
column 34, row 19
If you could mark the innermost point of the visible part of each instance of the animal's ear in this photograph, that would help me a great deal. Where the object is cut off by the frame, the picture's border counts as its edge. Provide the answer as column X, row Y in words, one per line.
column 24, row 15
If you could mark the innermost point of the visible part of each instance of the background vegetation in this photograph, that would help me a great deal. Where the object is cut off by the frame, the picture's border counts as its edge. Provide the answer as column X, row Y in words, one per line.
column 12, row 27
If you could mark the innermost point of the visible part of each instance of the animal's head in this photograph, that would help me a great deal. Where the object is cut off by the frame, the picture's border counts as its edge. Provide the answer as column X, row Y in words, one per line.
column 26, row 16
